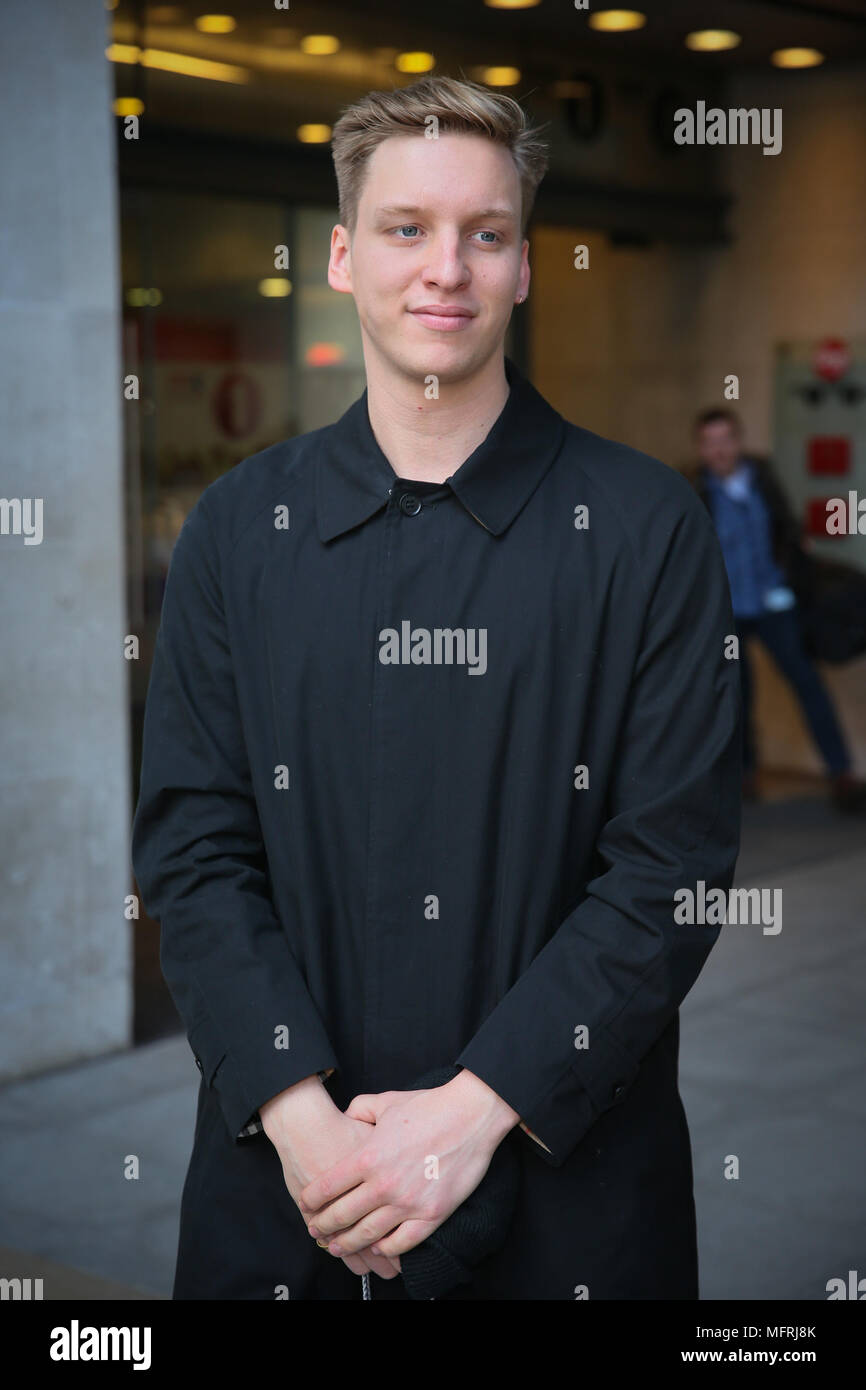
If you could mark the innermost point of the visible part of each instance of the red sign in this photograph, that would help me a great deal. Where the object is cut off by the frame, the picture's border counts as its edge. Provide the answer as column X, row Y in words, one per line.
column 829, row 453
column 831, row 359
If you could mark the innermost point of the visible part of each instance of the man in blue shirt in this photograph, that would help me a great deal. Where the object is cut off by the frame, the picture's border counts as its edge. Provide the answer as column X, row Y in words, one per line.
column 759, row 537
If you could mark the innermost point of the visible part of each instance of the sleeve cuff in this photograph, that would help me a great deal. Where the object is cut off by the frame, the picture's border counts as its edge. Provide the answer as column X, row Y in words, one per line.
column 249, row 1074
column 574, row 1096
column 254, row 1124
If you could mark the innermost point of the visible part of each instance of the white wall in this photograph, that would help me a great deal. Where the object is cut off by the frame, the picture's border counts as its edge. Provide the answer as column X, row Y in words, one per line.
column 65, row 982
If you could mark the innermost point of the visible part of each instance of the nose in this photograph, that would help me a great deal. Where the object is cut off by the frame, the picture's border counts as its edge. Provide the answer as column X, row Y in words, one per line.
column 445, row 266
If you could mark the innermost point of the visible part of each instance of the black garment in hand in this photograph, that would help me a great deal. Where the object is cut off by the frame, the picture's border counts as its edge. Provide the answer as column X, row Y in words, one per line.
column 478, row 1227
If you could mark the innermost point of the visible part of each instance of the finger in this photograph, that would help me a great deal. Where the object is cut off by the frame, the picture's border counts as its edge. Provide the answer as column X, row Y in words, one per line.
column 367, row 1232
column 345, row 1175
column 346, row 1212
column 359, row 1265
column 404, row 1238
column 380, row 1264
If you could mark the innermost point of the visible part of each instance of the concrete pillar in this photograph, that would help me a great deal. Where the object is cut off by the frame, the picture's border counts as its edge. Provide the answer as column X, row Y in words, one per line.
column 65, row 947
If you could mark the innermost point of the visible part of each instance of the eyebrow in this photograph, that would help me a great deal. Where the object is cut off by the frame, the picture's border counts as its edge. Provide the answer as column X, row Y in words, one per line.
column 485, row 214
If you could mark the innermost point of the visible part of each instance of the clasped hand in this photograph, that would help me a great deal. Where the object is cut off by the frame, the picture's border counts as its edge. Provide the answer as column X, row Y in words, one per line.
column 425, row 1153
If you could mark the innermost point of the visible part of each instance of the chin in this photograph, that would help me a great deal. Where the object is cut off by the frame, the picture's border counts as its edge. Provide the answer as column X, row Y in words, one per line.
column 449, row 360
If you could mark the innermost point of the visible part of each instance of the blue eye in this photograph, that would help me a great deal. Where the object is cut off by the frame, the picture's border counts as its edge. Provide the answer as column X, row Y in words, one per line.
column 409, row 227
column 493, row 235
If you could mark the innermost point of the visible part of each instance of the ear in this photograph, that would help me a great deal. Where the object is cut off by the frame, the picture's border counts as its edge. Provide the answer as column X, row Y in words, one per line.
column 524, row 276
column 340, row 261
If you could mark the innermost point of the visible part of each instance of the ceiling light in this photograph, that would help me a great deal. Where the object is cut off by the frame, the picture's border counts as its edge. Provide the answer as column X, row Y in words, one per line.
column 127, row 106
column 712, row 40
column 187, row 66
column 314, row 134
column 512, row 4
column 123, row 52
column 275, row 288
column 182, row 63
column 796, row 58
column 415, row 62
column 617, row 21
column 319, row 45
column 500, row 77
column 215, row 23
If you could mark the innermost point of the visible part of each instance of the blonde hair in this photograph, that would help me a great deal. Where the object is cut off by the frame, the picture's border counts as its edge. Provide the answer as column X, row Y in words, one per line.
column 458, row 107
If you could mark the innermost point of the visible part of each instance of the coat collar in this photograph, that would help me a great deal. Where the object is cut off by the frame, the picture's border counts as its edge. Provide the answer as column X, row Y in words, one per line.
column 354, row 478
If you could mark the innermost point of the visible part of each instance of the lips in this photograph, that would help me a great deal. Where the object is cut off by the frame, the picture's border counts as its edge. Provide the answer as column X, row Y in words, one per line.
column 448, row 318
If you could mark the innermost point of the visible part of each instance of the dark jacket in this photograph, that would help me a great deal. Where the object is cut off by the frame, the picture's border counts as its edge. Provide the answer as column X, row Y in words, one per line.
column 396, row 864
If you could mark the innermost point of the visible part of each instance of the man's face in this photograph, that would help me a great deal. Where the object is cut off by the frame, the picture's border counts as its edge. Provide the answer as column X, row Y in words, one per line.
column 719, row 447
column 436, row 259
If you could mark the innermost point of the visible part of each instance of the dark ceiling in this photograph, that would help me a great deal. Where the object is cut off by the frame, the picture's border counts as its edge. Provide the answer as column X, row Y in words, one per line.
column 836, row 27
column 612, row 181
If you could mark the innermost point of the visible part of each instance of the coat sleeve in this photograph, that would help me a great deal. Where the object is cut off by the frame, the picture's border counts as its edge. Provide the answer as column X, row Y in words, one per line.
column 200, row 861
column 618, row 964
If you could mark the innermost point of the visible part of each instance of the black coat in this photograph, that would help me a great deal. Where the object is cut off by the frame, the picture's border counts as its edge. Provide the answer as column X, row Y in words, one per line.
column 391, row 858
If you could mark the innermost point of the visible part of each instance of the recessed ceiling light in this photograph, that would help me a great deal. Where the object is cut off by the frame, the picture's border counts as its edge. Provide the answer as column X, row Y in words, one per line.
column 512, row 4
column 616, row 21
column 313, row 134
column 216, row 23
column 320, row 44
column 500, row 77
column 712, row 40
column 415, row 62
column 275, row 288
column 127, row 106
column 796, row 58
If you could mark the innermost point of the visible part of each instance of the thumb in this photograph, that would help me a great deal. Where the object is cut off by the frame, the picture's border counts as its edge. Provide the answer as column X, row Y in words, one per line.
column 367, row 1108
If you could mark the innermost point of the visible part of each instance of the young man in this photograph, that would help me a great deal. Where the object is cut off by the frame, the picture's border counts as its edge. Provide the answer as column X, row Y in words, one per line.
column 439, row 722
column 760, row 540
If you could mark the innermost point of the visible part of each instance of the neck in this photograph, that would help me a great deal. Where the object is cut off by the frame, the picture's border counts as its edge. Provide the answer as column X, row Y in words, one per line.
column 429, row 439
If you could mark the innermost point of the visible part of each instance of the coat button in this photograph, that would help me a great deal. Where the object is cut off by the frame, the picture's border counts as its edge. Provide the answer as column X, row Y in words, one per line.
column 198, row 1064
column 618, row 1091
column 410, row 505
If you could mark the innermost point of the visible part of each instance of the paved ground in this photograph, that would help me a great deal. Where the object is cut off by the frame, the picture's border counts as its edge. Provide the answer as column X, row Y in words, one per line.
column 773, row 1073
column 773, row 1068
